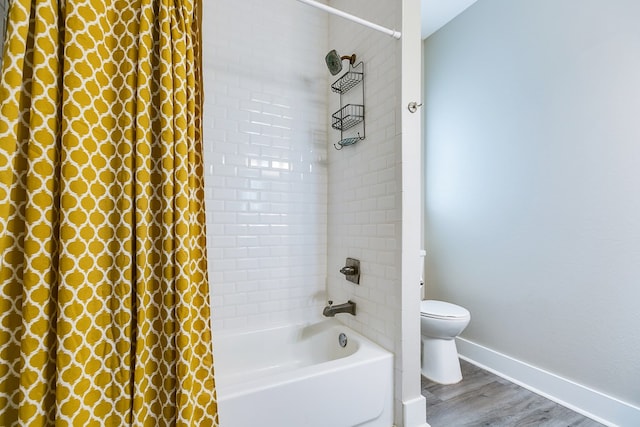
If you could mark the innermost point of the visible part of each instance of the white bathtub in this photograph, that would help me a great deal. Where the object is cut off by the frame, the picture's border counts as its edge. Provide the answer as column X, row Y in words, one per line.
column 299, row 376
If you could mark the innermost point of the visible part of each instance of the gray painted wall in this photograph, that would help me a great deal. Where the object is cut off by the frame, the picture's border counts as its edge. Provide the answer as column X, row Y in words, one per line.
column 533, row 183
column 4, row 4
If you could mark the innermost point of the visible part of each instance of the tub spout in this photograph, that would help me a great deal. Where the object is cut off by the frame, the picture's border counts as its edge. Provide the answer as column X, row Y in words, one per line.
column 331, row 310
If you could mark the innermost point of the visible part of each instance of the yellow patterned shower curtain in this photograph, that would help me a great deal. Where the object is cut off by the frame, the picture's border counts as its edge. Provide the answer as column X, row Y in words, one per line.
column 104, row 299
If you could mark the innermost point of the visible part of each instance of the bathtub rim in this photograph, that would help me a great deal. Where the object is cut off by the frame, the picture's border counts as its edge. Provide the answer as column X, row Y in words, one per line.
column 367, row 352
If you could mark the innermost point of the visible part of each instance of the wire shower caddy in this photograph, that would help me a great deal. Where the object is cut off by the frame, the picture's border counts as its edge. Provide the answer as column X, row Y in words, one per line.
column 349, row 115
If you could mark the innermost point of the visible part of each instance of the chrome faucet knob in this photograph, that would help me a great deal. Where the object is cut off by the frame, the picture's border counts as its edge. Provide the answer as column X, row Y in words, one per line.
column 330, row 303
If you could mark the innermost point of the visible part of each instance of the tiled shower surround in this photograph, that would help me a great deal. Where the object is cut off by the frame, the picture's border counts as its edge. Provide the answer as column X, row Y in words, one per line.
column 364, row 180
column 265, row 160
column 284, row 208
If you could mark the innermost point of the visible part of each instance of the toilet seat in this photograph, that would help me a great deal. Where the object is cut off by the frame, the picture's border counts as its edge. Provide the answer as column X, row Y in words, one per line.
column 442, row 310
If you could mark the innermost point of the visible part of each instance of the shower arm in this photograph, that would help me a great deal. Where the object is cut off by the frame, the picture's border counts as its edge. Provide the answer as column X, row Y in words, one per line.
column 395, row 34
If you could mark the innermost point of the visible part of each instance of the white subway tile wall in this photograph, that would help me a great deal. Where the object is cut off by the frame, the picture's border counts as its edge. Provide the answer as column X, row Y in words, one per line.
column 364, row 179
column 365, row 184
column 284, row 208
column 265, row 140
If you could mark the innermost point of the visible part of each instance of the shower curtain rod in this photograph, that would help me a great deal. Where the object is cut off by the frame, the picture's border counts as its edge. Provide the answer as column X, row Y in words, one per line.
column 334, row 11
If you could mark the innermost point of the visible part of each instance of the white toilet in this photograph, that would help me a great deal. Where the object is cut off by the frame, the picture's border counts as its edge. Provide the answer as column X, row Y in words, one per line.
column 440, row 323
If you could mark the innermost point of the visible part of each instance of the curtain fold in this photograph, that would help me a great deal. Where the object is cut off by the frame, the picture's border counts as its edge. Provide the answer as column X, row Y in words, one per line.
column 104, row 296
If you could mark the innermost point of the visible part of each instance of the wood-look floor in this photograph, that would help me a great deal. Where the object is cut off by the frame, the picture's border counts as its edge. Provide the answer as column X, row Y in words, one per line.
column 485, row 399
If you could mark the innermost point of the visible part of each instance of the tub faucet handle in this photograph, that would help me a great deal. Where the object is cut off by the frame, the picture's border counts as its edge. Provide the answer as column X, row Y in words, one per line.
column 351, row 270
column 347, row 271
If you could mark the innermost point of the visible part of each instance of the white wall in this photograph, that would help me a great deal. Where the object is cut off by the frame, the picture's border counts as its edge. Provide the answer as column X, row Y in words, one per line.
column 265, row 160
column 533, row 183
column 414, row 405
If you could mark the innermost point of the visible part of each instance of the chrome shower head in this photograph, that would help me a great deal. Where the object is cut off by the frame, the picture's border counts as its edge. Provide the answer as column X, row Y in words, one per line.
column 334, row 61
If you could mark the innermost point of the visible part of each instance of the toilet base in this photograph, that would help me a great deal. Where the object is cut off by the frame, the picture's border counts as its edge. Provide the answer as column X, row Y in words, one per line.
column 440, row 360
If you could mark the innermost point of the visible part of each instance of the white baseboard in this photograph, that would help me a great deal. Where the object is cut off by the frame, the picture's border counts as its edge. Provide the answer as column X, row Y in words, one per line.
column 588, row 402
column 415, row 412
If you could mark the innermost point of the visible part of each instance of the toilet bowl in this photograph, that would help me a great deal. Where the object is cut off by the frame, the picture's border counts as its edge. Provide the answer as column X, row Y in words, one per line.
column 440, row 323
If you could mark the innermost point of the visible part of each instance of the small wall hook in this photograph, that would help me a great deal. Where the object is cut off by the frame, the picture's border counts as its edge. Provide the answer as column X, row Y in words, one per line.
column 413, row 106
